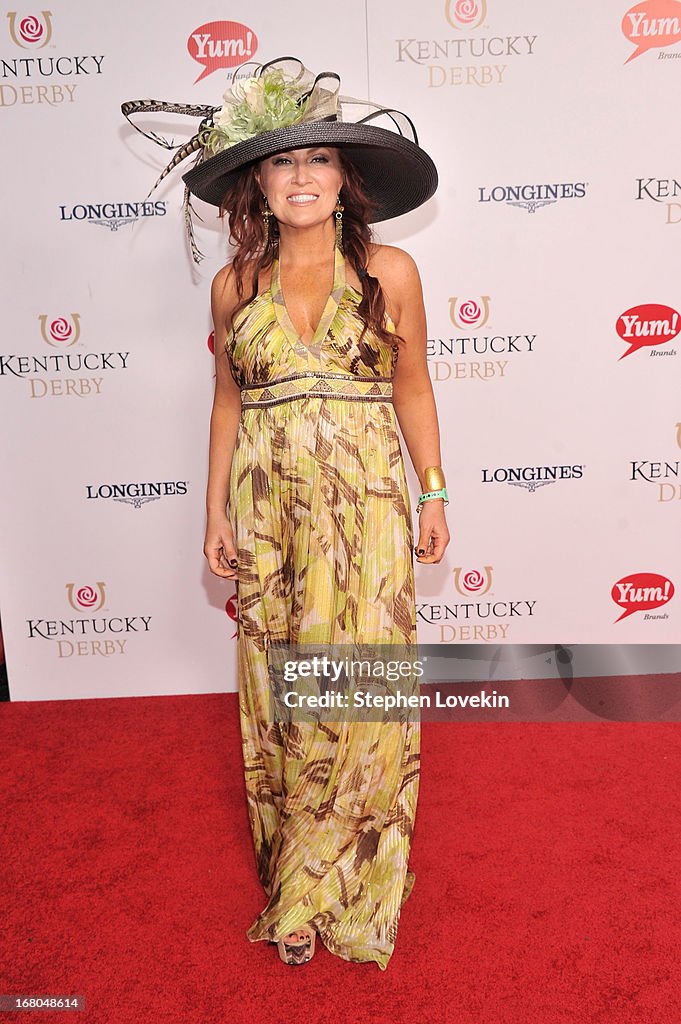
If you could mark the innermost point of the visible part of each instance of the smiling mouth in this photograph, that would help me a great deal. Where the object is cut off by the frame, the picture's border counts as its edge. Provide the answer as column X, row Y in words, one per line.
column 302, row 198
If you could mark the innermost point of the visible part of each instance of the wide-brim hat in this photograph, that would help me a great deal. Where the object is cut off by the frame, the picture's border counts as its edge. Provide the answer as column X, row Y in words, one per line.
column 281, row 106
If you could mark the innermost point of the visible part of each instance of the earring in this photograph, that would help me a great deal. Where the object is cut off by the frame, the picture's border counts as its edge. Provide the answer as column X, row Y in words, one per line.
column 266, row 213
column 339, row 224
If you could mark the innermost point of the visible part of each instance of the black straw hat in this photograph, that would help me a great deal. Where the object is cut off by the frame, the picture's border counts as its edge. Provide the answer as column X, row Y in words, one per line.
column 282, row 106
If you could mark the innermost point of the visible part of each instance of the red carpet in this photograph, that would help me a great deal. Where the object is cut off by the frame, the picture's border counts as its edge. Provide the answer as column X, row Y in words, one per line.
column 547, row 862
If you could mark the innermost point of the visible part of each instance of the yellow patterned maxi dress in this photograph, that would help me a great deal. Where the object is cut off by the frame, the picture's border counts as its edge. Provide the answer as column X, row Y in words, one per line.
column 319, row 505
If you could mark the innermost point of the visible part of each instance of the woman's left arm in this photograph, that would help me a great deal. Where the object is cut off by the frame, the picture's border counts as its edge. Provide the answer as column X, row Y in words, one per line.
column 413, row 397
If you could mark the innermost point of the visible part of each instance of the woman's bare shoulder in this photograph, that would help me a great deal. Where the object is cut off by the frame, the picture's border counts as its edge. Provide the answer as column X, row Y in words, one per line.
column 224, row 294
column 392, row 265
column 399, row 277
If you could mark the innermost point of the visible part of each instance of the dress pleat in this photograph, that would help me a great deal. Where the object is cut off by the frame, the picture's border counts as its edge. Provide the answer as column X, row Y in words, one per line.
column 319, row 505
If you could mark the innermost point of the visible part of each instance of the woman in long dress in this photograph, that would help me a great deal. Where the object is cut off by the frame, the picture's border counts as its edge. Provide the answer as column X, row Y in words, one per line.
column 320, row 350
column 308, row 510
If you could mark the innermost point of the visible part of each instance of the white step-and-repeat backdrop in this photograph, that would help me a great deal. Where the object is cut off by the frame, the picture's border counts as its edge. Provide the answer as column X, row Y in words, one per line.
column 550, row 264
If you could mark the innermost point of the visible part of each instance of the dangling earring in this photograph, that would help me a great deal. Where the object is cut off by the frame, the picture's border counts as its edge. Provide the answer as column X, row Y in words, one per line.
column 339, row 224
column 266, row 215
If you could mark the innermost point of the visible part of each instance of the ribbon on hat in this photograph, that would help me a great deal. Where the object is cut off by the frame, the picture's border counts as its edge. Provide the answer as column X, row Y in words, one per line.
column 280, row 93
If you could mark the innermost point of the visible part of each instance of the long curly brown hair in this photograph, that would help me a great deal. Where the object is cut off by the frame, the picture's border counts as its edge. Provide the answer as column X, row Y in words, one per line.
column 253, row 241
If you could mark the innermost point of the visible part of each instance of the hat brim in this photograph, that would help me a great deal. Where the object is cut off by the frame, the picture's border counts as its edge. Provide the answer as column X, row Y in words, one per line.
column 398, row 175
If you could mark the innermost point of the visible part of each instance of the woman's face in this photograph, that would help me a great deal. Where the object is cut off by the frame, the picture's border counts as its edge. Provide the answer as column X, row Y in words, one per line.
column 302, row 185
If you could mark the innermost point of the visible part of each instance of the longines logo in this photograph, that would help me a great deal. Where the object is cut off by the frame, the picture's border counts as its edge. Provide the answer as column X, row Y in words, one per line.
column 33, row 32
column 88, row 635
column 642, row 592
column 113, row 215
column 474, row 356
column 652, row 25
column 62, row 374
column 475, row 60
column 532, row 197
column 221, row 44
column 666, row 192
column 666, row 476
column 474, row 620
column 531, row 477
column 135, row 494
column 648, row 326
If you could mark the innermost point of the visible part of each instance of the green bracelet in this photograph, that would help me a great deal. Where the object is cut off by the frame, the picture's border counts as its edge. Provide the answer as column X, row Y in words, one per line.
column 442, row 493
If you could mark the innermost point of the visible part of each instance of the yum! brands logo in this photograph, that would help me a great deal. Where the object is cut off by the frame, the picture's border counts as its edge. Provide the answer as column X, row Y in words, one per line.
column 31, row 32
column 653, row 25
column 642, row 592
column 465, row 14
column 232, row 612
column 221, row 44
column 648, row 326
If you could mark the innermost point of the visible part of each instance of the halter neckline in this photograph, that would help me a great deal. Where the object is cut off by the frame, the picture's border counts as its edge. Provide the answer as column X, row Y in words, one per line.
column 328, row 313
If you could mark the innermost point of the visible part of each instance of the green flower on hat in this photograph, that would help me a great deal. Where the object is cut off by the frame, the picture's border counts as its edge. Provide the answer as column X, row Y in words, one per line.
column 254, row 106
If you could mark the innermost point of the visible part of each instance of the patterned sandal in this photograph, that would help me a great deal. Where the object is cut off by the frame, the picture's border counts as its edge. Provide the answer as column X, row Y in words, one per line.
column 297, row 947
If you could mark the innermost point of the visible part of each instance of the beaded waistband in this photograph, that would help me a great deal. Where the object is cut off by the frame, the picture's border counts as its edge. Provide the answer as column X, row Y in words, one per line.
column 344, row 386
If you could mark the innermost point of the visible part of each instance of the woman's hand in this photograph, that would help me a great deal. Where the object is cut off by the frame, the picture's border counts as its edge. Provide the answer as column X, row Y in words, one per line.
column 433, row 532
column 219, row 547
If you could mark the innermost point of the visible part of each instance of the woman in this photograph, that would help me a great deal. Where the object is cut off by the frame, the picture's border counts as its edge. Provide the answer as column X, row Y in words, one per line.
column 320, row 348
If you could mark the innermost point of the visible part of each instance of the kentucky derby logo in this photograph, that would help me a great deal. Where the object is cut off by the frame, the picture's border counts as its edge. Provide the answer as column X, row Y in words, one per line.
column 465, row 313
column 642, row 592
column 646, row 326
column 652, row 25
column 473, row 581
column 221, row 44
column 664, row 191
column 86, row 598
column 86, row 634
column 465, row 13
column 61, row 332
column 32, row 32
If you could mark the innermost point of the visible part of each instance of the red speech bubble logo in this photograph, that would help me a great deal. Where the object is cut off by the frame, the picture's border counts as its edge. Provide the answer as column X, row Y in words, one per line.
column 641, row 591
column 221, row 44
column 652, row 24
column 646, row 325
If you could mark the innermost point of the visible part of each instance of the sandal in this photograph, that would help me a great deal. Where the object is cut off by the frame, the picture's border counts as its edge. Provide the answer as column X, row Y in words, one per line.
column 297, row 947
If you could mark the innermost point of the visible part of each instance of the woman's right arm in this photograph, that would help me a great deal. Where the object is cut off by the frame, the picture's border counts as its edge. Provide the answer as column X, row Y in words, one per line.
column 219, row 546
